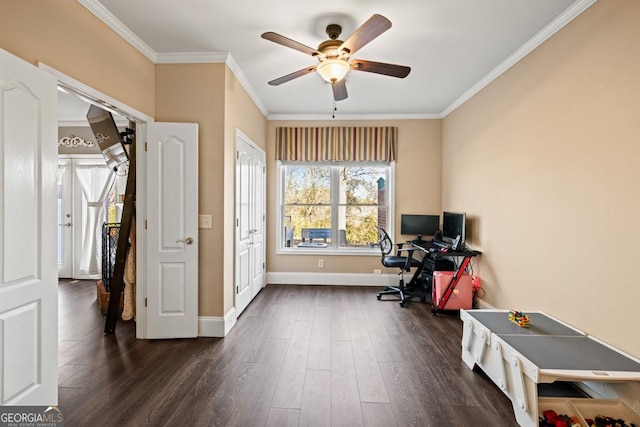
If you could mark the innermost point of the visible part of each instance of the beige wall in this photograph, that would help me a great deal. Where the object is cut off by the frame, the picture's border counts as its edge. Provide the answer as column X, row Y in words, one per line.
column 241, row 113
column 418, row 190
column 550, row 151
column 195, row 93
column 66, row 36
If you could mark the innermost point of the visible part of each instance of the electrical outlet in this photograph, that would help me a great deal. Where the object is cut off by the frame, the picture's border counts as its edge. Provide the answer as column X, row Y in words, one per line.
column 377, row 271
column 636, row 406
column 320, row 263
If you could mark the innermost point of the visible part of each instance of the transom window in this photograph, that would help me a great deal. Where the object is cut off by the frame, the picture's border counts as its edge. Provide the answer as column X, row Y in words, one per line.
column 333, row 207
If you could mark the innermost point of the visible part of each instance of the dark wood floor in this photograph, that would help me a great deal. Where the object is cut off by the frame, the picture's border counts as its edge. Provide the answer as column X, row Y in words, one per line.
column 298, row 356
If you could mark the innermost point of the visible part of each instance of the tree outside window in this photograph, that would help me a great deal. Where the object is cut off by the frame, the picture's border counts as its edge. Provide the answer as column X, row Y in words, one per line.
column 334, row 207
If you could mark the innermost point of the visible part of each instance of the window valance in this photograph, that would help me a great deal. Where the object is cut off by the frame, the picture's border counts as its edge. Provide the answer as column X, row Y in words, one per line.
column 337, row 144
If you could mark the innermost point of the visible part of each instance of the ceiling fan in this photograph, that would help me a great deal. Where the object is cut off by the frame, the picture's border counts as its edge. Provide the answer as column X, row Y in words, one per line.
column 334, row 55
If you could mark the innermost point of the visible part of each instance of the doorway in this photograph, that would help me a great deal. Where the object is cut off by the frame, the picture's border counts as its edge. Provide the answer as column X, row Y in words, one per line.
column 88, row 190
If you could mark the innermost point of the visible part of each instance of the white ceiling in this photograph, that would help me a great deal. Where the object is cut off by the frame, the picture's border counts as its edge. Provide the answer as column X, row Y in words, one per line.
column 454, row 47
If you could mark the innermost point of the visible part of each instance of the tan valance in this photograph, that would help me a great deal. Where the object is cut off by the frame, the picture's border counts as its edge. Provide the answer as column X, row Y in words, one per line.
column 337, row 144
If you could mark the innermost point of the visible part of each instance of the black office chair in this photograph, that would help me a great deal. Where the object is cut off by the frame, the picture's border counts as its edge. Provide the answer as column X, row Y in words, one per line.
column 404, row 263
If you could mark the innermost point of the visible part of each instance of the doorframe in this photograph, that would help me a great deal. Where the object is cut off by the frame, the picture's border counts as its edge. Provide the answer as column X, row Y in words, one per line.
column 108, row 103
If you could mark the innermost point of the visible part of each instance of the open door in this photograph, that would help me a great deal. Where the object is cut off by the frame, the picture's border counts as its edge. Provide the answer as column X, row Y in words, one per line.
column 172, row 230
column 28, row 279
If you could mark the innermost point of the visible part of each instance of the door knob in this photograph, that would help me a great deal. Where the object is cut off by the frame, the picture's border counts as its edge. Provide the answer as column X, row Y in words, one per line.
column 68, row 224
column 188, row 241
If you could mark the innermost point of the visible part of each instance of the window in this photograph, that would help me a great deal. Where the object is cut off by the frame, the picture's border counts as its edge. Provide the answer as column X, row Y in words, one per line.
column 334, row 207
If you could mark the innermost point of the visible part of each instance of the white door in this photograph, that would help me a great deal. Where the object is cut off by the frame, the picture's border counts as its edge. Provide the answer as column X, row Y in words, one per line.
column 65, row 219
column 172, row 230
column 258, row 220
column 28, row 279
column 250, row 220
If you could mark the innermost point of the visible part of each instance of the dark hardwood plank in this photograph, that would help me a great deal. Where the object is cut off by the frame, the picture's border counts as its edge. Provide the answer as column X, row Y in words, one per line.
column 370, row 383
column 279, row 417
column 378, row 415
column 298, row 355
column 288, row 393
column 345, row 397
column 316, row 399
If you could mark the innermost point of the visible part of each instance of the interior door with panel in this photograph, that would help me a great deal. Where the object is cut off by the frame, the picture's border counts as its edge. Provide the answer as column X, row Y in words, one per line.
column 172, row 230
column 258, row 220
column 250, row 220
column 28, row 271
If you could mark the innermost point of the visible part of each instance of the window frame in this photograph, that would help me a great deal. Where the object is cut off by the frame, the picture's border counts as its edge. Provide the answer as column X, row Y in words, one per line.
column 280, row 181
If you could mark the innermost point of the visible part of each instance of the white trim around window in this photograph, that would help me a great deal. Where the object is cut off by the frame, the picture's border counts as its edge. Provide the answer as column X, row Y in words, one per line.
column 281, row 250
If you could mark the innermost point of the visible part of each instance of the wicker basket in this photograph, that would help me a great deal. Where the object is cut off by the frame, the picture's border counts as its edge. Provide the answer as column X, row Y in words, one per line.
column 103, row 298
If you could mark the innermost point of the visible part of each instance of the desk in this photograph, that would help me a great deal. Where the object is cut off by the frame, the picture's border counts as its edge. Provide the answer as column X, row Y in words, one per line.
column 520, row 360
column 435, row 252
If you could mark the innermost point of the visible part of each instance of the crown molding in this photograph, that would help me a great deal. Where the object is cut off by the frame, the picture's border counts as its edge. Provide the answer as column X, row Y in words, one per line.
column 235, row 69
column 553, row 27
column 116, row 25
column 352, row 117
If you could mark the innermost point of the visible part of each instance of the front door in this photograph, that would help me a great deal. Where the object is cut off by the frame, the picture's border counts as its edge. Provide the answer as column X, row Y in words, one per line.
column 172, row 230
column 65, row 219
column 28, row 279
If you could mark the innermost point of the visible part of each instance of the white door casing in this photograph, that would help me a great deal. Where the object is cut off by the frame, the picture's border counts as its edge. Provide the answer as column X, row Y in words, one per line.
column 250, row 220
column 28, row 267
column 172, row 230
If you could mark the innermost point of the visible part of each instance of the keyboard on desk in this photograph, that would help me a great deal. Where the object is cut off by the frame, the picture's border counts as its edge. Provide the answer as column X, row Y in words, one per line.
column 442, row 244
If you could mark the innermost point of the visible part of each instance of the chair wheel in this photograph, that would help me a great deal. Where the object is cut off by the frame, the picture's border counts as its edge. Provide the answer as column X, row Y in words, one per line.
column 402, row 304
column 379, row 296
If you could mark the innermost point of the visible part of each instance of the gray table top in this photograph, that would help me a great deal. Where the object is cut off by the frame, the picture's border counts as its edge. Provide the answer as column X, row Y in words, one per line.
column 549, row 344
column 540, row 324
column 570, row 353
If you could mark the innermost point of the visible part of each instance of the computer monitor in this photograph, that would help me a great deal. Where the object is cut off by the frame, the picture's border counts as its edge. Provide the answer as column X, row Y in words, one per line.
column 419, row 225
column 453, row 225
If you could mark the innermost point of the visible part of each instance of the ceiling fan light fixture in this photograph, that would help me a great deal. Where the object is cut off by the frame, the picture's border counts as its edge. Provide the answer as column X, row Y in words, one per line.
column 333, row 70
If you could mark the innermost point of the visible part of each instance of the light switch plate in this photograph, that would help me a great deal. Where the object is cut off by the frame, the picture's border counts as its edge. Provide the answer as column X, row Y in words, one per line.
column 204, row 221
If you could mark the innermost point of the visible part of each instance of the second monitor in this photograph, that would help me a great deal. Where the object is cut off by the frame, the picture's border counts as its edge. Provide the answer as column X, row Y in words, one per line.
column 419, row 225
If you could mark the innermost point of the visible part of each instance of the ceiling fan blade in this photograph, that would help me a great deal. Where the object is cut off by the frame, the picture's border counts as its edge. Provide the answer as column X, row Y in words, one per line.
column 339, row 90
column 292, row 76
column 392, row 70
column 368, row 31
column 285, row 41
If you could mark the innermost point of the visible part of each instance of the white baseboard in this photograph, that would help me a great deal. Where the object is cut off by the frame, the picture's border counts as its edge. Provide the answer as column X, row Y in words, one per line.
column 342, row 279
column 482, row 304
column 209, row 326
